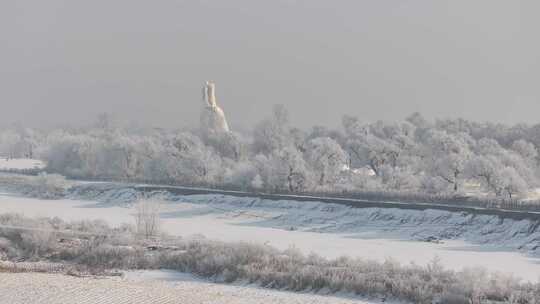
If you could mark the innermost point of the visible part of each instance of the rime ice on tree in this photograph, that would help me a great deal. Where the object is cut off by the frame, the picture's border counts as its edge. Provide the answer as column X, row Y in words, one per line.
column 213, row 119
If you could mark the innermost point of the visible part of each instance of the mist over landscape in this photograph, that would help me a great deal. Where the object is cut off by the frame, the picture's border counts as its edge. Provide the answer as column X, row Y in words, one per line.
column 286, row 151
column 64, row 62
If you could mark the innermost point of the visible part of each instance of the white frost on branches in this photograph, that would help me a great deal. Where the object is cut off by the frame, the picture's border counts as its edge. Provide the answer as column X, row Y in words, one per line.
column 448, row 157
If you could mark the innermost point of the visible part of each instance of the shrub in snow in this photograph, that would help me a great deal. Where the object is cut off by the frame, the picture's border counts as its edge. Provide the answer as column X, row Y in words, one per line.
column 7, row 250
column 49, row 186
column 257, row 182
column 262, row 265
column 433, row 185
column 35, row 240
column 240, row 174
column 39, row 240
column 46, row 186
column 399, row 179
column 147, row 220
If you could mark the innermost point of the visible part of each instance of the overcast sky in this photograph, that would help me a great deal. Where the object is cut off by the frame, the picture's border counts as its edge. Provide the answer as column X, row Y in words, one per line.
column 64, row 61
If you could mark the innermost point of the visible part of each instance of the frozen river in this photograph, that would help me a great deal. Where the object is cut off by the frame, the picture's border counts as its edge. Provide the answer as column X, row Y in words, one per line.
column 187, row 219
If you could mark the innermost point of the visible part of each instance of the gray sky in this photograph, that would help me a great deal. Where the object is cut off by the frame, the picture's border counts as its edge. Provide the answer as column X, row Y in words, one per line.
column 64, row 61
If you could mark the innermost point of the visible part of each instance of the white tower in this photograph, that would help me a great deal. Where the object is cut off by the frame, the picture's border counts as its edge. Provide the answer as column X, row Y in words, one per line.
column 213, row 119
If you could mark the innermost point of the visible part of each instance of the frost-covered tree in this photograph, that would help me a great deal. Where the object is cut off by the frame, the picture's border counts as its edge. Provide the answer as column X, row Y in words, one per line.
column 229, row 145
column 448, row 156
column 415, row 155
column 399, row 178
column 512, row 183
column 273, row 133
column 373, row 152
column 284, row 169
column 294, row 168
column 18, row 142
column 298, row 139
column 73, row 156
column 433, row 184
column 378, row 144
column 497, row 176
column 487, row 170
column 147, row 218
column 327, row 159
column 526, row 150
column 189, row 160
column 8, row 144
column 242, row 174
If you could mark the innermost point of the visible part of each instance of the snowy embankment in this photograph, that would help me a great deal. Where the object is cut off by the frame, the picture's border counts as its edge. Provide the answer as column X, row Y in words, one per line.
column 419, row 225
column 460, row 240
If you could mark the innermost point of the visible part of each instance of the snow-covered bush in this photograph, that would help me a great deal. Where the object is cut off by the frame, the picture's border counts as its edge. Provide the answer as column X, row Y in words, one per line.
column 147, row 218
column 46, row 186
column 35, row 239
column 434, row 185
column 258, row 264
column 241, row 174
column 399, row 178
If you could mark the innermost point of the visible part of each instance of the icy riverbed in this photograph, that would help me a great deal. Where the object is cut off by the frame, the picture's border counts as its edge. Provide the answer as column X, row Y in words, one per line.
column 283, row 225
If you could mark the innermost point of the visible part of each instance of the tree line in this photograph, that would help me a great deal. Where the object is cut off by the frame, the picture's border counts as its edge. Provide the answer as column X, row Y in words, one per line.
column 445, row 156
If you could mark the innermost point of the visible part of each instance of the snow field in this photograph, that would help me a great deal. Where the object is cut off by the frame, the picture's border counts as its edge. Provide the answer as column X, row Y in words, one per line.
column 20, row 163
column 24, row 288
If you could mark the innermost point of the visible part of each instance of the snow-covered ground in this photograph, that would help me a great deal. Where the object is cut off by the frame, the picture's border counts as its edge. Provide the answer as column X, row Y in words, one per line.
column 325, row 229
column 20, row 163
column 24, row 288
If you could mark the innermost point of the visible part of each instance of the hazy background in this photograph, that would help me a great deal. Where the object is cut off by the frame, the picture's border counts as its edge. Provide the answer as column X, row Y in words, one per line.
column 64, row 61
